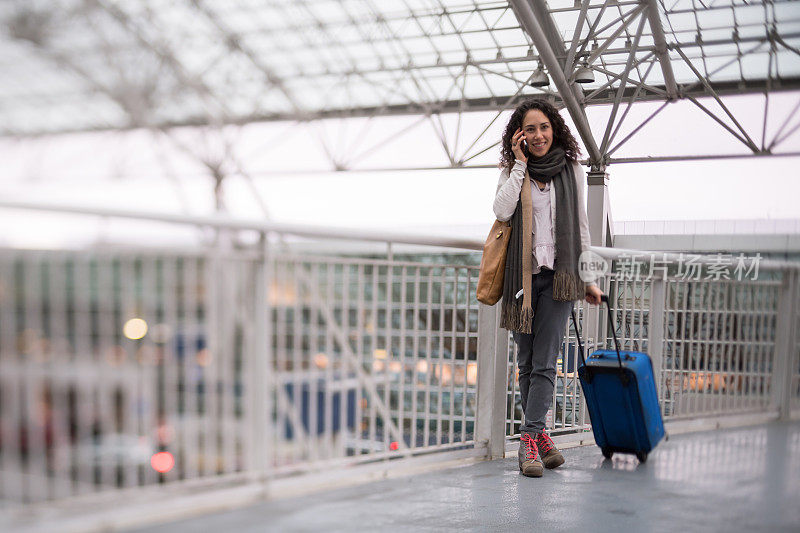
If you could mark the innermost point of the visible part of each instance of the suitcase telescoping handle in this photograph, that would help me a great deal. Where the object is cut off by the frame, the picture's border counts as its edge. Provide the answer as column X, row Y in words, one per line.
column 613, row 332
column 578, row 338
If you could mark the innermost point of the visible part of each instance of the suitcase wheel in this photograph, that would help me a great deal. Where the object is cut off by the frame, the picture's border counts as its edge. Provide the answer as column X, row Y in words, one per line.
column 607, row 453
column 642, row 456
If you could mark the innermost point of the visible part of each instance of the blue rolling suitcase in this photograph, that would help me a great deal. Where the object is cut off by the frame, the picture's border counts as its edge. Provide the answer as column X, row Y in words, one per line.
column 620, row 392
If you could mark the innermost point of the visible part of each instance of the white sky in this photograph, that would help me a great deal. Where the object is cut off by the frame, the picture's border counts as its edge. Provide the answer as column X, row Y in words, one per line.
column 287, row 163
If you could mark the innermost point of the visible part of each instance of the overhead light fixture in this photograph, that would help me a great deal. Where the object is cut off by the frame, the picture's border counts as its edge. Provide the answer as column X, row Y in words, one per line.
column 539, row 78
column 583, row 74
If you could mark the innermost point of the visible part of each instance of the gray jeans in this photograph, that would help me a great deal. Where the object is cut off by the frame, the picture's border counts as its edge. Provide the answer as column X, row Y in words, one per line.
column 538, row 352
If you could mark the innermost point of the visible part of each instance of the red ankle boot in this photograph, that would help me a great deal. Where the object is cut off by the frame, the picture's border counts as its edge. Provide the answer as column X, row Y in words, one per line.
column 550, row 455
column 529, row 463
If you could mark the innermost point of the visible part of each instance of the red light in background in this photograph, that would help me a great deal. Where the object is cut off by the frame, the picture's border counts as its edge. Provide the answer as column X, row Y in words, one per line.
column 162, row 462
column 393, row 446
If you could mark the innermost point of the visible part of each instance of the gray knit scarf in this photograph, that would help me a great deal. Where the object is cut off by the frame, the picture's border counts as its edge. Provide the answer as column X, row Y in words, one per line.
column 517, row 313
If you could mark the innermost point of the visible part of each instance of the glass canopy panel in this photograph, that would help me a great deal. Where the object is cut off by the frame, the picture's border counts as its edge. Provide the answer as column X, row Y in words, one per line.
column 126, row 63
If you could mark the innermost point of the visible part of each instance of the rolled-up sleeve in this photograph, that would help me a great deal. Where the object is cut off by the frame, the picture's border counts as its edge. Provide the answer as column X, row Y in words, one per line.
column 508, row 188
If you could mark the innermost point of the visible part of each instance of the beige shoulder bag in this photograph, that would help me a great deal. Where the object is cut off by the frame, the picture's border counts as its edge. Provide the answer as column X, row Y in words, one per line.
column 493, row 263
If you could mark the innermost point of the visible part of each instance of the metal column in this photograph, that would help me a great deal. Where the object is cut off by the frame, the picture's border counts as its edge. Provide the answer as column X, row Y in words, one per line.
column 785, row 343
column 600, row 229
column 492, row 382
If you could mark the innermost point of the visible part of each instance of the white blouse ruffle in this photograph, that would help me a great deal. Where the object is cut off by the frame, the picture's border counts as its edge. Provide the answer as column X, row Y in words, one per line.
column 544, row 246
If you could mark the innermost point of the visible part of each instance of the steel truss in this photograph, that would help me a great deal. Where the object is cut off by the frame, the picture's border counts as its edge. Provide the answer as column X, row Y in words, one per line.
column 219, row 66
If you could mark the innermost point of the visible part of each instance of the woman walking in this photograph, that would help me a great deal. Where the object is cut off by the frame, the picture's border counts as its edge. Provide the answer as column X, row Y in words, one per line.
column 541, row 192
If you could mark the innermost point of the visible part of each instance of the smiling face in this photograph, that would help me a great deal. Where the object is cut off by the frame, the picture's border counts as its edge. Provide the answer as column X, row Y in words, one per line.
column 538, row 132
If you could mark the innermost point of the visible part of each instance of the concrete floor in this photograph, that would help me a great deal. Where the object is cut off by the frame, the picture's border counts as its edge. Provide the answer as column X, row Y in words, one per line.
column 730, row 480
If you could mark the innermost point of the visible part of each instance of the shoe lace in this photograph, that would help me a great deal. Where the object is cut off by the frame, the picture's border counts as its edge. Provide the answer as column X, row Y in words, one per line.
column 530, row 446
column 545, row 443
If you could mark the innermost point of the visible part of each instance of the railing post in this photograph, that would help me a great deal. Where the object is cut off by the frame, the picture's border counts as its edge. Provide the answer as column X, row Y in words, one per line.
column 259, row 366
column 492, row 382
column 786, row 330
column 601, row 229
column 655, row 330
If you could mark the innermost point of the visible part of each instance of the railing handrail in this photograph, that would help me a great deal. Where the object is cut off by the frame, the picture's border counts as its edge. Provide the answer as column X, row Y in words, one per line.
column 222, row 222
column 302, row 230
column 675, row 257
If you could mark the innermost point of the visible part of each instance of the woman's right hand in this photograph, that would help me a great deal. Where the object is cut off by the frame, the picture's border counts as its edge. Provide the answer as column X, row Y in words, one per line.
column 516, row 146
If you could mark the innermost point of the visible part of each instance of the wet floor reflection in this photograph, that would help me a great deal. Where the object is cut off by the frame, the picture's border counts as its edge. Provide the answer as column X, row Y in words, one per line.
column 729, row 480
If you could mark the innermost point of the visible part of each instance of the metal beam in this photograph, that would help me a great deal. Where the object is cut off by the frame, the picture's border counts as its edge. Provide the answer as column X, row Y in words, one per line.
column 234, row 41
column 554, row 39
column 94, row 86
column 656, row 159
column 622, row 119
column 621, row 90
column 344, row 68
column 609, row 160
column 527, row 20
column 624, row 80
column 724, row 88
column 600, row 50
column 186, row 78
column 542, row 15
column 661, row 48
column 744, row 138
column 576, row 37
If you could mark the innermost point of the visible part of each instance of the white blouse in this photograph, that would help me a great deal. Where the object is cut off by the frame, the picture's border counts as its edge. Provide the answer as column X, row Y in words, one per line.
column 544, row 245
column 505, row 202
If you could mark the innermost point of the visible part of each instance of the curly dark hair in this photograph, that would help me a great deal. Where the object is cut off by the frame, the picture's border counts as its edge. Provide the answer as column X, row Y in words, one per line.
column 561, row 135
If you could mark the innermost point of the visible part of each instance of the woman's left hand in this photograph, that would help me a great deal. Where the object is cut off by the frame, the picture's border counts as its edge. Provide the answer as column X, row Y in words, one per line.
column 593, row 294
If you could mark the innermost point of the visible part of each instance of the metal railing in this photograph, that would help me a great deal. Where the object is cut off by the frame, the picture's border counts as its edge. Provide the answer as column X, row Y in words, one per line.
column 226, row 363
column 139, row 368
column 719, row 346
column 716, row 339
column 393, row 341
